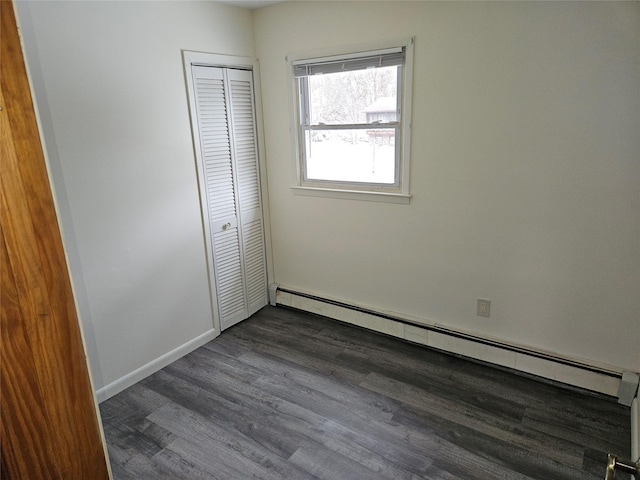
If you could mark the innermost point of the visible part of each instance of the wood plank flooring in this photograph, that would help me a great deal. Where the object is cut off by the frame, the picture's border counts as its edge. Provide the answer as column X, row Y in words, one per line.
column 291, row 395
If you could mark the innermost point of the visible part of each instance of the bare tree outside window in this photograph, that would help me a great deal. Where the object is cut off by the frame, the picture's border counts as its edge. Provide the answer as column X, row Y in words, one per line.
column 342, row 98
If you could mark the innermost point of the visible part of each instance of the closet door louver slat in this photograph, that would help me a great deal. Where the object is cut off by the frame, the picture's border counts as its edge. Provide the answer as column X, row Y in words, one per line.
column 245, row 149
column 229, row 274
column 215, row 146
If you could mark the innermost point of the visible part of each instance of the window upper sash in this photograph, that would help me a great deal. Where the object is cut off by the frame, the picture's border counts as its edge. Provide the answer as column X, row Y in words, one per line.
column 392, row 57
column 352, row 126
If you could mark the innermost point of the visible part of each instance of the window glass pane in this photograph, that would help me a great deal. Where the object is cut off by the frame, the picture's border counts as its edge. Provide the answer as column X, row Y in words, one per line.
column 358, row 155
column 361, row 96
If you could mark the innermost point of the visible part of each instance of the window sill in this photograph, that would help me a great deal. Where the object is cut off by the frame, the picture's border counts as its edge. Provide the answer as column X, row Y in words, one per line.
column 370, row 196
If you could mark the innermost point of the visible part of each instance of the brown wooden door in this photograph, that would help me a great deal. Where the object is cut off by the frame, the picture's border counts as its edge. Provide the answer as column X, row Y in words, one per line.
column 48, row 417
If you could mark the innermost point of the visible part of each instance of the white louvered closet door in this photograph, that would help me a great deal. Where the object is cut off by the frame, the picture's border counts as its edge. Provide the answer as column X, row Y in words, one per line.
column 230, row 187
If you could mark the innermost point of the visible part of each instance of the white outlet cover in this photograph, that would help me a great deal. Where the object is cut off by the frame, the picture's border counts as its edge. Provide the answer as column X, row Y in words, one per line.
column 483, row 308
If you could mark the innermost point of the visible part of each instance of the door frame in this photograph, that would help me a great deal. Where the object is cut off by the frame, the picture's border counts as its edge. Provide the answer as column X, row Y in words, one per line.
column 191, row 58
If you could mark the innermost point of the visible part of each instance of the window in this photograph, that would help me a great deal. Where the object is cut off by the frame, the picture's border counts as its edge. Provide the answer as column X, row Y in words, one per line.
column 352, row 120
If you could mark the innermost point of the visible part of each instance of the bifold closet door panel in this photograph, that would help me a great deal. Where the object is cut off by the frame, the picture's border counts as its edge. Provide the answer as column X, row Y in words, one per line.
column 219, row 194
column 245, row 156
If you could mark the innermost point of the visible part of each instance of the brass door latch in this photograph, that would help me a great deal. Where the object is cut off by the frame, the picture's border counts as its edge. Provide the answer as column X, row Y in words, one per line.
column 615, row 464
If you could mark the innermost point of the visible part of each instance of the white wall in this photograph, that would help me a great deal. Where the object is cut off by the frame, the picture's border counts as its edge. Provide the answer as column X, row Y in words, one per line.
column 524, row 172
column 110, row 90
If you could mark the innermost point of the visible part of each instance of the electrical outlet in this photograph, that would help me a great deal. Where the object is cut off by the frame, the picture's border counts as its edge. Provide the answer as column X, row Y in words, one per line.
column 484, row 308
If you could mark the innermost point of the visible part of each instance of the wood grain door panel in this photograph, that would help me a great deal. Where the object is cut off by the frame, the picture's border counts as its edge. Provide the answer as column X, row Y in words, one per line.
column 49, row 426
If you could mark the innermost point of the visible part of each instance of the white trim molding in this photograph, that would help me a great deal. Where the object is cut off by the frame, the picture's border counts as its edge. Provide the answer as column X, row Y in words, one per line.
column 371, row 196
column 628, row 388
column 153, row 366
column 635, row 430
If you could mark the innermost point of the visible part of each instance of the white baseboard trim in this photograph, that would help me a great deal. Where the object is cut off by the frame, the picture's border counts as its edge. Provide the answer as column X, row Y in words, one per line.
column 635, row 430
column 130, row 379
column 578, row 373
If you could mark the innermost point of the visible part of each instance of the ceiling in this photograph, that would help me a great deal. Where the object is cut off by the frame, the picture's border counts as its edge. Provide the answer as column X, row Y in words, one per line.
column 252, row 4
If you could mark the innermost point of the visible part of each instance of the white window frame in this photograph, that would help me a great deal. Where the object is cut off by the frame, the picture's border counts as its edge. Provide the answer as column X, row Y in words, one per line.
column 398, row 193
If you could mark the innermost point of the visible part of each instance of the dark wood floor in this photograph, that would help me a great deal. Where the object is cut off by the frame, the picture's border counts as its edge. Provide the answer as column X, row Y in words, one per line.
column 290, row 395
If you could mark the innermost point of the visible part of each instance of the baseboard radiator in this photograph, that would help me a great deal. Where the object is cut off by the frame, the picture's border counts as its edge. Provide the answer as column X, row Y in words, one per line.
column 635, row 429
column 573, row 372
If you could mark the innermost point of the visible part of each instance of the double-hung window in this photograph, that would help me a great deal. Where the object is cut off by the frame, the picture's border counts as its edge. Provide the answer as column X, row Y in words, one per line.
column 352, row 120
